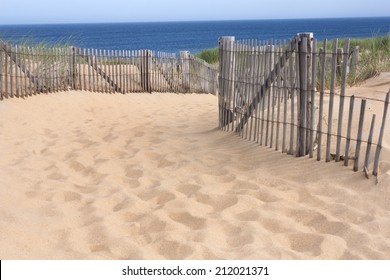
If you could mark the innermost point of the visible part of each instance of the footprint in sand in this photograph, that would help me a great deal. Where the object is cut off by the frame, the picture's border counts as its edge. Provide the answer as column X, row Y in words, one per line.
column 173, row 250
column 250, row 215
column 305, row 243
column 189, row 189
column 66, row 196
column 185, row 218
column 217, row 202
column 274, row 225
column 265, row 196
column 56, row 176
column 240, row 240
column 157, row 198
column 134, row 173
column 151, row 224
column 109, row 138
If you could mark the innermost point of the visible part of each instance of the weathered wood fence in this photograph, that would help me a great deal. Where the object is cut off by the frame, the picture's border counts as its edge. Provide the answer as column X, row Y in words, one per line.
column 291, row 96
column 25, row 71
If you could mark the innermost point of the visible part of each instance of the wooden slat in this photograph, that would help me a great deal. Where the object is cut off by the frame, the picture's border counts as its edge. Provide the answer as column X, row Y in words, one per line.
column 120, row 65
column 11, row 74
column 381, row 133
column 359, row 135
column 268, row 93
column 331, row 100
column 302, row 111
column 292, row 87
column 5, row 73
column 285, row 97
column 30, row 66
column 252, row 85
column 342, row 96
column 259, row 82
column 52, row 72
column 105, row 85
column 256, row 89
column 79, row 68
column 83, row 55
column 100, row 65
column 262, row 94
column 298, row 86
column 1, row 74
column 312, row 98
column 45, row 70
column 349, row 130
column 369, row 142
column 274, row 93
column 17, row 76
column 279, row 92
column 246, row 87
column 89, row 62
column 127, row 62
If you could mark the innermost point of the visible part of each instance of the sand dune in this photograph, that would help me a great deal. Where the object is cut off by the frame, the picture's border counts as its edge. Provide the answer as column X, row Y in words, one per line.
column 140, row 176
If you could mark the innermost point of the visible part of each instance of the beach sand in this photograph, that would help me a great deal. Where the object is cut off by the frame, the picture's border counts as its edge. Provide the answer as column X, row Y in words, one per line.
column 150, row 176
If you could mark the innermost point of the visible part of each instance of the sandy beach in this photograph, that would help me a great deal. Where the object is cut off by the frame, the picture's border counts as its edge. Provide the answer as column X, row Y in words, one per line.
column 150, row 176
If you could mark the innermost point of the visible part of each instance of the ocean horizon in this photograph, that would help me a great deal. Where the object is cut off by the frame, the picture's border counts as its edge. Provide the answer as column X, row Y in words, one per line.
column 193, row 36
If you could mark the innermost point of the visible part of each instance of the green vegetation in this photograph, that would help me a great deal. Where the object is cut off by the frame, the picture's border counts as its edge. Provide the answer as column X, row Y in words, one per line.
column 374, row 57
column 209, row 55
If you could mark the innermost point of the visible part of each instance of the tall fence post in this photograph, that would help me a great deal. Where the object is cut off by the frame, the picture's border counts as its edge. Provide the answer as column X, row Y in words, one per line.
column 305, row 57
column 226, row 81
column 184, row 62
column 145, row 78
column 70, row 54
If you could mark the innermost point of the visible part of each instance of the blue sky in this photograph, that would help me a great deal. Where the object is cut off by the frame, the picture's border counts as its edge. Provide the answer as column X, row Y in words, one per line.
column 86, row 11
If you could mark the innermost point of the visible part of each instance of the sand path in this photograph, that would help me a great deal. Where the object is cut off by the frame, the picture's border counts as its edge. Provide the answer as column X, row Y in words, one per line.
column 140, row 176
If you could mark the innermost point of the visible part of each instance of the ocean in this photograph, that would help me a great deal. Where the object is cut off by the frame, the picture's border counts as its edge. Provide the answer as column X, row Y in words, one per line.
column 192, row 36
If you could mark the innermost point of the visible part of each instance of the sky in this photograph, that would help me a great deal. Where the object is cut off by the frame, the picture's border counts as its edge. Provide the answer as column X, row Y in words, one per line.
column 98, row 11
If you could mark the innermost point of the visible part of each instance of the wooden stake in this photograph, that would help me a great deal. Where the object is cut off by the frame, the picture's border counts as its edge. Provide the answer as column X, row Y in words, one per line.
column 359, row 135
column 379, row 145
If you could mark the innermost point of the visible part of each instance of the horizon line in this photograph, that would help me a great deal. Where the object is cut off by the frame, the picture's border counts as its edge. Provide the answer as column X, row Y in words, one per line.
column 195, row 20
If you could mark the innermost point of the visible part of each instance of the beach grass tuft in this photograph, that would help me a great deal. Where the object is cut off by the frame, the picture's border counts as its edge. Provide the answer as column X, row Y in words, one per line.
column 209, row 55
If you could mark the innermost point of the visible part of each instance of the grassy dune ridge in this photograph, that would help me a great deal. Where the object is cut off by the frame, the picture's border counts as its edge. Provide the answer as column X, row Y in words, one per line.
column 374, row 56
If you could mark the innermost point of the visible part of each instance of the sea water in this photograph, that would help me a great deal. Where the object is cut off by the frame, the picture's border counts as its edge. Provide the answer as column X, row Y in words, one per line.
column 192, row 36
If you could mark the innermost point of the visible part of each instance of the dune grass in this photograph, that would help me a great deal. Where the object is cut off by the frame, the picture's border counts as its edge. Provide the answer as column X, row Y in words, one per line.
column 374, row 56
column 209, row 55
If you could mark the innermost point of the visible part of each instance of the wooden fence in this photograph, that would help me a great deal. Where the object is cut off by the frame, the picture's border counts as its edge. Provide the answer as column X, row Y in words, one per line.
column 25, row 71
column 291, row 96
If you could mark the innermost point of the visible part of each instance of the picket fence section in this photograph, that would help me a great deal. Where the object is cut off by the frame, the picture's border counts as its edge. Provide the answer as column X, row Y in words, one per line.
column 25, row 71
column 291, row 96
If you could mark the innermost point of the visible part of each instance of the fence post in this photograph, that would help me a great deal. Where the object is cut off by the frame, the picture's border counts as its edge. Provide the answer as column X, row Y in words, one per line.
column 379, row 145
column 226, row 80
column 145, row 78
column 1, row 73
column 184, row 62
column 354, row 62
column 72, row 67
column 305, row 57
